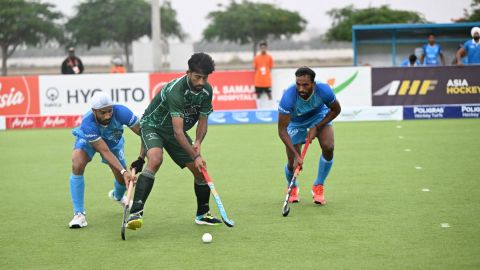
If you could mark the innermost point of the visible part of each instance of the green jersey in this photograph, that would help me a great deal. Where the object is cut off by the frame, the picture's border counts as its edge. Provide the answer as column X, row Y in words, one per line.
column 176, row 99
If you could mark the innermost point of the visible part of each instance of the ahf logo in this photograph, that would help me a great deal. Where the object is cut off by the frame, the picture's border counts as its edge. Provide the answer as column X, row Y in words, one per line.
column 52, row 94
column 401, row 88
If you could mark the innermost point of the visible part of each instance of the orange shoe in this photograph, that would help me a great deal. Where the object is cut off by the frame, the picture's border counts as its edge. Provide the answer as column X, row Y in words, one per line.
column 294, row 195
column 318, row 196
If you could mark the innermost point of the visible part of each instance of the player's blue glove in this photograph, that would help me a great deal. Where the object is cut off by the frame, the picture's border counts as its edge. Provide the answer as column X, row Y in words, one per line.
column 138, row 164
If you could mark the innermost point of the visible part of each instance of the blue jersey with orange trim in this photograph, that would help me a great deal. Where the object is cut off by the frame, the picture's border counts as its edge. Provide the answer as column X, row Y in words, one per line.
column 301, row 110
column 91, row 130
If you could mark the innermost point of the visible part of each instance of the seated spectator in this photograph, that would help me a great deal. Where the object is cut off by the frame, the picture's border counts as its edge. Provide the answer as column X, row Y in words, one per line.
column 412, row 61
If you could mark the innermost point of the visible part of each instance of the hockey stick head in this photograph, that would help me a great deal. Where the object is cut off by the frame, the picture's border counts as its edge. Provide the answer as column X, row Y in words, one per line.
column 126, row 206
column 124, row 221
column 216, row 197
column 228, row 222
column 285, row 210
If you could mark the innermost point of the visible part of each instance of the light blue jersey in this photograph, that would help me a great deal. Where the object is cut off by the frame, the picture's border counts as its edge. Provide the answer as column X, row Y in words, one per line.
column 90, row 131
column 431, row 54
column 305, row 113
column 472, row 50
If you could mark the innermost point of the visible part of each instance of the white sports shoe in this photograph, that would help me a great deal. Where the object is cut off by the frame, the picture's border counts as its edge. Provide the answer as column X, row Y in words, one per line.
column 78, row 221
column 123, row 201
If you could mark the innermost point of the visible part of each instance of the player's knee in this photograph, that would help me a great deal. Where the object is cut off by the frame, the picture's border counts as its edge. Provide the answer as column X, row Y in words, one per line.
column 198, row 176
column 328, row 148
column 154, row 163
column 78, row 167
column 199, row 181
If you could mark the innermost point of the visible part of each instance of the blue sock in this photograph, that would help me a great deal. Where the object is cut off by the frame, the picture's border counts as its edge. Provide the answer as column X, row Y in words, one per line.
column 118, row 190
column 77, row 190
column 288, row 176
column 324, row 167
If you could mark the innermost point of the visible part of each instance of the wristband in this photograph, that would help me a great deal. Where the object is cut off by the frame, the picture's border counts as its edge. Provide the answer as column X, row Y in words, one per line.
column 195, row 157
column 123, row 171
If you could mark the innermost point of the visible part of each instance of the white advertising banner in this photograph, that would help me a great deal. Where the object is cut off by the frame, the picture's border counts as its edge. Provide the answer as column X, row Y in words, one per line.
column 382, row 113
column 352, row 85
column 71, row 94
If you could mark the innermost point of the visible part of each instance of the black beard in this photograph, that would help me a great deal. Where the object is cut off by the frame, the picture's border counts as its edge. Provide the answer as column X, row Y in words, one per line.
column 105, row 123
column 476, row 39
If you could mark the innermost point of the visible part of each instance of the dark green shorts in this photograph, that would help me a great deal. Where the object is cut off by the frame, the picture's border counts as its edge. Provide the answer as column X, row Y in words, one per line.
column 165, row 139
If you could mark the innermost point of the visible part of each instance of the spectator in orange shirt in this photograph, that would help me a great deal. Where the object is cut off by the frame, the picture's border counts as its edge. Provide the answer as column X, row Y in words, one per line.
column 117, row 66
column 263, row 64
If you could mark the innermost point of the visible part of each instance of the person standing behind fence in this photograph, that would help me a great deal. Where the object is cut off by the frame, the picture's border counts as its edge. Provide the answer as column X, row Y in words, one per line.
column 117, row 66
column 471, row 48
column 263, row 63
column 72, row 64
column 431, row 52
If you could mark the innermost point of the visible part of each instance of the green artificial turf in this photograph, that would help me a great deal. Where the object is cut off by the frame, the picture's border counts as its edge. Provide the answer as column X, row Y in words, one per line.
column 377, row 216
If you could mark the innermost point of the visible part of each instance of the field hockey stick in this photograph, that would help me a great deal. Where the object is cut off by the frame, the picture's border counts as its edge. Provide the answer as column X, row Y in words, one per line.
column 219, row 203
column 285, row 208
column 126, row 206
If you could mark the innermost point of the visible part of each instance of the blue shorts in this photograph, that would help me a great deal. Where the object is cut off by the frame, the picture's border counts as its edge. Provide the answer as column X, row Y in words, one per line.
column 298, row 130
column 117, row 150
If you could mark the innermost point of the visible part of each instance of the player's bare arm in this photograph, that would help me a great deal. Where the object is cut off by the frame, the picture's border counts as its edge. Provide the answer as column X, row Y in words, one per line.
column 442, row 58
column 138, row 164
column 201, row 132
column 283, row 121
column 459, row 55
column 102, row 148
column 177, row 123
column 136, row 130
column 335, row 110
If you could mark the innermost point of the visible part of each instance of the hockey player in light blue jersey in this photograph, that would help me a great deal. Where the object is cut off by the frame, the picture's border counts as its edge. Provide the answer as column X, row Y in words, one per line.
column 101, row 131
column 308, row 105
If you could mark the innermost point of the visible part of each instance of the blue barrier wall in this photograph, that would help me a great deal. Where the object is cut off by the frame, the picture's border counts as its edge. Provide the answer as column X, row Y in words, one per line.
column 441, row 112
column 243, row 117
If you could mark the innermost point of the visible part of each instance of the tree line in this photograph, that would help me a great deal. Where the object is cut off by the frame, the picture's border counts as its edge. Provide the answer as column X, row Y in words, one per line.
column 120, row 22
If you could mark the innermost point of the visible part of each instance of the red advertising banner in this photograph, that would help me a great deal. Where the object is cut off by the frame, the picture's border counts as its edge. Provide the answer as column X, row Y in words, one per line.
column 158, row 80
column 37, row 121
column 59, row 121
column 22, row 122
column 232, row 90
column 19, row 96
